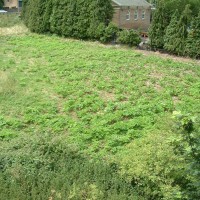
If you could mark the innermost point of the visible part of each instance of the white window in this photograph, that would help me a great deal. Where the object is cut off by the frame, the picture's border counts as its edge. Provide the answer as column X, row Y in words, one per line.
column 136, row 15
column 143, row 14
column 128, row 15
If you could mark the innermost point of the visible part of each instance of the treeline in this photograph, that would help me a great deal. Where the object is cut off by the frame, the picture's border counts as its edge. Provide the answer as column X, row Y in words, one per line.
column 176, row 27
column 79, row 19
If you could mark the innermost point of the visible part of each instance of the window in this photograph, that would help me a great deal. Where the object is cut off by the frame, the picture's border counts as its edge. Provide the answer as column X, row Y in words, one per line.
column 135, row 14
column 143, row 14
column 128, row 15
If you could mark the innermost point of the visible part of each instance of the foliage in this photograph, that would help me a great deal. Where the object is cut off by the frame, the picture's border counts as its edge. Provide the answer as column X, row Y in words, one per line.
column 110, row 33
column 182, row 31
column 130, row 37
column 170, row 37
column 77, row 19
column 193, row 40
column 158, row 26
column 153, row 167
column 170, row 32
column 106, row 101
column 44, row 167
column 112, row 95
column 189, row 128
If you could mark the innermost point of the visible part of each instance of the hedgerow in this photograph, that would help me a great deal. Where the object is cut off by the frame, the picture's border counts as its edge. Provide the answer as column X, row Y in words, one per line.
column 79, row 19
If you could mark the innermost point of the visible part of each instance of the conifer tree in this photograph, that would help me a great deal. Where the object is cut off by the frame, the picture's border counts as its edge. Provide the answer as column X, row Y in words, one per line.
column 193, row 40
column 182, row 31
column 158, row 26
column 170, row 35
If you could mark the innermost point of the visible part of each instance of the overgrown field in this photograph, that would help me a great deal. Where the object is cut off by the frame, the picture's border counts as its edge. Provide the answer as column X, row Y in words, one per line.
column 100, row 101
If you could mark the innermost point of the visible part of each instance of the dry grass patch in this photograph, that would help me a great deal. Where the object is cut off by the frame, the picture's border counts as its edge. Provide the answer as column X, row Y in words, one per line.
column 14, row 30
column 7, row 83
column 107, row 96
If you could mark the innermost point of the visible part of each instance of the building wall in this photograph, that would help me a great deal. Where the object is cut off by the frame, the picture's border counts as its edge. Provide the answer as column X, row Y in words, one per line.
column 11, row 3
column 120, row 18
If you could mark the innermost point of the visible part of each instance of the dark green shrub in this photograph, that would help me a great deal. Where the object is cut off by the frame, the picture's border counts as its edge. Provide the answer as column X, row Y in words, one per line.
column 130, row 37
column 110, row 33
column 189, row 129
column 170, row 36
column 152, row 166
column 158, row 26
column 182, row 31
column 33, row 14
column 193, row 40
column 44, row 167
column 78, row 18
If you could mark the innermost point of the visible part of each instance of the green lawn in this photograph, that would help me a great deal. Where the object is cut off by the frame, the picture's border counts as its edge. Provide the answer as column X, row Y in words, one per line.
column 99, row 97
column 85, row 121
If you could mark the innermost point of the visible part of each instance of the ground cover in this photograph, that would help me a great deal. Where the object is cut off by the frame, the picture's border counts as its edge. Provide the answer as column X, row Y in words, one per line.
column 100, row 97
column 82, row 120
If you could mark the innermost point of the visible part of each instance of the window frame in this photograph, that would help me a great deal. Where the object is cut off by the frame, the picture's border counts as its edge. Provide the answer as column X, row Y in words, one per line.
column 128, row 15
column 136, row 14
column 143, row 14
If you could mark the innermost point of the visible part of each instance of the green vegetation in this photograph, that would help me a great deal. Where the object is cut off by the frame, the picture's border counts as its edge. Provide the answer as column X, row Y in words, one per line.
column 78, row 19
column 129, row 37
column 80, row 120
column 172, row 28
column 9, row 20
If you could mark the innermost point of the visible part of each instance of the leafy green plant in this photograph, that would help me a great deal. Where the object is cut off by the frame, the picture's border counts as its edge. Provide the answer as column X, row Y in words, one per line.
column 110, row 33
column 43, row 166
column 152, row 167
column 189, row 128
column 193, row 41
column 129, row 37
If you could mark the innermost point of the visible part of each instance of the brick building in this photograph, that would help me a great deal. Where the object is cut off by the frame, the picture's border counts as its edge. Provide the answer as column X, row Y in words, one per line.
column 132, row 14
column 12, row 4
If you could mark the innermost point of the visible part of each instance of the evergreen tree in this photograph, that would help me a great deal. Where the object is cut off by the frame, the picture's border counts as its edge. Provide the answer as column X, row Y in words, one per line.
column 182, row 31
column 170, row 35
column 57, row 15
column 158, row 26
column 193, row 40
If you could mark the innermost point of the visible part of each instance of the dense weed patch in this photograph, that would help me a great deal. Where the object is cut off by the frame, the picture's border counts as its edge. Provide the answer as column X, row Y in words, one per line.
column 70, row 107
column 42, row 167
column 101, row 98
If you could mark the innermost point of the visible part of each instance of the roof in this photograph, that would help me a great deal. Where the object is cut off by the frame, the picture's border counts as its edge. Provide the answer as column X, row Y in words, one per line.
column 132, row 3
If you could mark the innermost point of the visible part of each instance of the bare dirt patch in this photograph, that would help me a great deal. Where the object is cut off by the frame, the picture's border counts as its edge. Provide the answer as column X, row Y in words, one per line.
column 167, row 56
column 107, row 96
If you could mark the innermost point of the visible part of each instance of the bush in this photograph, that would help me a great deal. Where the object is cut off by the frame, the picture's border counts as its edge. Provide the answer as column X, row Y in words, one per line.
column 77, row 18
column 189, row 129
column 44, row 167
column 193, row 40
column 153, row 167
column 110, row 33
column 129, row 37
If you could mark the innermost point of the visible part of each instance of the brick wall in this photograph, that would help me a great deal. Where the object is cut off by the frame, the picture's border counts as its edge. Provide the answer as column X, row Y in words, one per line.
column 11, row 3
column 120, row 18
